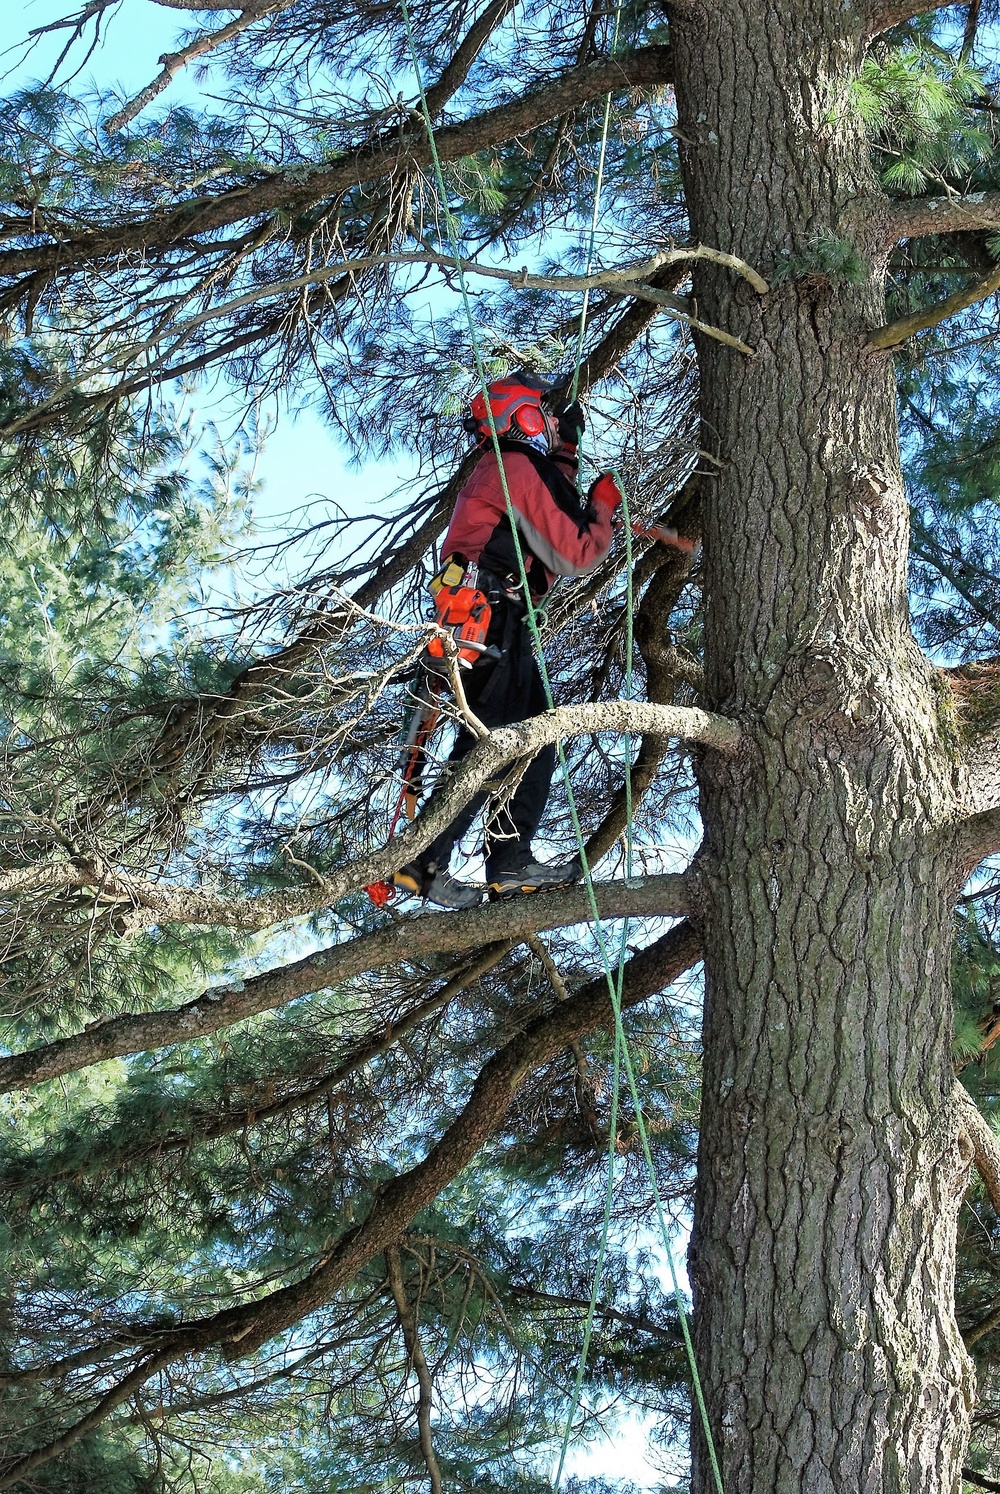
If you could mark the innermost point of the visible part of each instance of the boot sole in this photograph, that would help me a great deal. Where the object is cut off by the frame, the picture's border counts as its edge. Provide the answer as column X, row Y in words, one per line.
column 499, row 890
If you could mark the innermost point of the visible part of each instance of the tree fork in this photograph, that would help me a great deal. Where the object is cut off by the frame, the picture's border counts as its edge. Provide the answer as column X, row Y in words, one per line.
column 830, row 1164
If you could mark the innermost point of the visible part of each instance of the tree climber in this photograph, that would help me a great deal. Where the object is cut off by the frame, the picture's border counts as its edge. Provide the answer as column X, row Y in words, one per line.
column 560, row 535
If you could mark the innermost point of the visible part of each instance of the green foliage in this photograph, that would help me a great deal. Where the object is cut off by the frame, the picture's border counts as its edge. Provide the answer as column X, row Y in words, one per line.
column 976, row 986
column 948, row 423
column 915, row 102
column 826, row 258
column 104, row 546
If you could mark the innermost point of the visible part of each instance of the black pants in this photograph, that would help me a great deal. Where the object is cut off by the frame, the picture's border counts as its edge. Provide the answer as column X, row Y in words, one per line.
column 499, row 694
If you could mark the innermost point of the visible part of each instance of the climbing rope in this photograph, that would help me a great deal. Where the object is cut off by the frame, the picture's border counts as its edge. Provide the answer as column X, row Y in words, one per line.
column 588, row 1325
column 595, row 215
column 614, row 987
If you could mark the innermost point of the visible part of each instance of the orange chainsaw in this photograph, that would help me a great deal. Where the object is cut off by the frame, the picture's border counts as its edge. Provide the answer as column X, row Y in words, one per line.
column 463, row 611
column 666, row 536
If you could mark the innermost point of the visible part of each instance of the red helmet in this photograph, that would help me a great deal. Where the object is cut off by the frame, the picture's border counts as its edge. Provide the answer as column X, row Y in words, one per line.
column 515, row 404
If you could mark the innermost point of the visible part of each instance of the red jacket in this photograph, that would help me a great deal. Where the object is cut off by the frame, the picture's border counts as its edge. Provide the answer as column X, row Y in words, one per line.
column 560, row 534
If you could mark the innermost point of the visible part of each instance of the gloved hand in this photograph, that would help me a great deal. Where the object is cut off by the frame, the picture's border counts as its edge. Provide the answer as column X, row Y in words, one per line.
column 605, row 490
column 571, row 423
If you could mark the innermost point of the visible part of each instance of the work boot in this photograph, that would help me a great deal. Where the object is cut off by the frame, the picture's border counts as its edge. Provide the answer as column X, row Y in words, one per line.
column 438, row 887
column 521, row 874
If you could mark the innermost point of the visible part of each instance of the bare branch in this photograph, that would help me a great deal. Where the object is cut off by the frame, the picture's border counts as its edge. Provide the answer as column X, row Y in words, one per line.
column 411, row 1337
column 174, row 61
column 496, row 752
column 210, row 718
column 442, row 933
column 198, row 5
column 77, row 22
column 651, row 970
column 627, row 280
column 894, row 333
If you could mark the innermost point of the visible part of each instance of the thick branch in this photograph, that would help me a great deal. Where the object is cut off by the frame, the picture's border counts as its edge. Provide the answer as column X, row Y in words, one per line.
column 978, row 698
column 500, row 750
column 199, row 1125
column 980, row 837
column 15, row 1472
column 985, row 1146
column 302, row 185
column 894, row 333
column 985, row 1326
column 952, row 214
column 244, row 1328
column 437, row 933
column 884, row 13
column 457, row 67
column 482, row 765
column 972, row 1477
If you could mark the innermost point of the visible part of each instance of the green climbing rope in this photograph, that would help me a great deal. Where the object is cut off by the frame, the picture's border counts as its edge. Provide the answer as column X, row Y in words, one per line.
column 588, row 1325
column 621, row 1043
column 595, row 215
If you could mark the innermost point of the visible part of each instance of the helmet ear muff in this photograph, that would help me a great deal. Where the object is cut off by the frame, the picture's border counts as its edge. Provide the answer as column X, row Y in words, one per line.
column 511, row 406
column 529, row 420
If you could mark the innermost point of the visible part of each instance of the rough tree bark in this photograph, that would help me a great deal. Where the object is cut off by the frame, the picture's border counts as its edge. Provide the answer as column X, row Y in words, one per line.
column 831, row 1166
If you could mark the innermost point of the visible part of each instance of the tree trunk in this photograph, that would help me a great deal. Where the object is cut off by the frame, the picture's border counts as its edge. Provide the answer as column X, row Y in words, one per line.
column 830, row 1169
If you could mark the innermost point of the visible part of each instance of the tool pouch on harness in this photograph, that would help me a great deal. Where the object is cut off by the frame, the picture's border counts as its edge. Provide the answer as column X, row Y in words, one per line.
column 464, row 611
